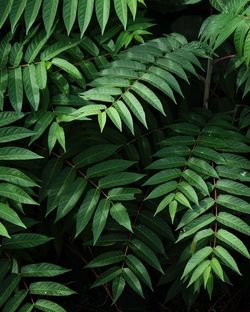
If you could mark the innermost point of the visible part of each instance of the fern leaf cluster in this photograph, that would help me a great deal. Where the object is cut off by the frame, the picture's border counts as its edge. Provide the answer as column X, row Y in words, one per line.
column 94, row 163
column 203, row 183
column 73, row 12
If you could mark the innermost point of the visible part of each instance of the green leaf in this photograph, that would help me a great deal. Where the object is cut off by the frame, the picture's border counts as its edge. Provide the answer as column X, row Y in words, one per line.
column 48, row 306
column 195, row 225
column 16, row 55
column 102, row 8
column 95, row 154
column 7, row 118
column 157, row 224
column 233, row 173
column 150, row 238
column 189, row 192
column 160, row 84
column 35, row 46
column 233, row 203
column 30, row 86
column 196, row 259
column 185, row 128
column 173, row 209
column 233, row 222
column 28, row 307
column 125, row 115
column 31, row 13
column 3, row 231
column 121, row 11
column 198, row 272
column 17, row 153
column 5, row 8
column 59, row 47
column 120, row 215
column 25, row 240
column 118, row 286
column 197, row 210
column 67, row 67
column 232, row 187
column 4, row 268
column 16, row 193
column 132, row 4
column 15, row 88
column 50, row 289
column 106, row 258
column 142, row 251
column 49, row 13
column 133, row 281
column 17, row 9
column 163, row 189
column 202, row 167
column 216, row 267
column 123, row 194
column 164, row 203
column 100, row 218
column 42, row 270
column 233, row 241
column 102, row 118
column 226, row 258
column 8, row 134
column 86, row 210
column 70, row 197
column 7, row 287
column 170, row 162
column 139, row 269
column 182, row 200
column 135, row 107
column 85, row 11
column 115, row 117
column 14, row 302
column 69, row 13
column 195, row 180
column 208, row 154
column 41, row 75
column 8, row 214
column 107, row 276
column 163, row 176
column 119, row 179
column 107, row 166
column 56, row 133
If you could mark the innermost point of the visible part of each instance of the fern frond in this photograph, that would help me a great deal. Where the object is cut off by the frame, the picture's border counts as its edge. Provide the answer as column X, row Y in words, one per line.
column 73, row 12
column 199, row 183
column 233, row 19
column 136, row 72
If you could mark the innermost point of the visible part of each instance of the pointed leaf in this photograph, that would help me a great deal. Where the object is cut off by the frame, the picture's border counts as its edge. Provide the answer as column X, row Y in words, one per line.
column 50, row 289
column 69, row 13
column 146, row 254
column 120, row 215
column 196, row 259
column 86, row 210
column 233, row 241
column 100, row 218
column 42, row 270
column 106, row 258
column 133, row 281
column 49, row 13
column 85, row 11
column 30, row 86
column 47, row 306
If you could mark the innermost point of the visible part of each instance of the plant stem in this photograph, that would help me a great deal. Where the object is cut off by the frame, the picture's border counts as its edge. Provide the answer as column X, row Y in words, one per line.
column 208, row 83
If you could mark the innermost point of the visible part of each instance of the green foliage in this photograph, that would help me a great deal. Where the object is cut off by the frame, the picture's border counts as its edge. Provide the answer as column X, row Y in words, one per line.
column 93, row 165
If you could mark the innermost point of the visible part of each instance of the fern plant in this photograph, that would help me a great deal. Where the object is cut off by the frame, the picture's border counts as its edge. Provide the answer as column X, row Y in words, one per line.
column 83, row 183
column 202, row 184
